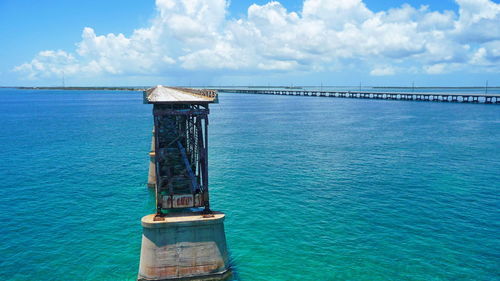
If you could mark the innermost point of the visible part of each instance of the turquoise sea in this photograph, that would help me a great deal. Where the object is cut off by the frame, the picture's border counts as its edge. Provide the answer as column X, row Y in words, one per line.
column 313, row 188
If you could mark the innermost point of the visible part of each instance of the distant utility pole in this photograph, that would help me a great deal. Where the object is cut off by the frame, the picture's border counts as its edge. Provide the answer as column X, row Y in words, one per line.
column 486, row 88
column 321, row 87
column 413, row 86
column 360, row 86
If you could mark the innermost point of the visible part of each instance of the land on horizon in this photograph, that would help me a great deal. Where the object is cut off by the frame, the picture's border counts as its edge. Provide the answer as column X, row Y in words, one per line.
column 139, row 88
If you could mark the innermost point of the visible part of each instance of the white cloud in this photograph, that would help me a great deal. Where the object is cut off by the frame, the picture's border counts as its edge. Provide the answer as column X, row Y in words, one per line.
column 487, row 56
column 479, row 21
column 382, row 71
column 435, row 68
column 49, row 63
column 336, row 14
column 189, row 35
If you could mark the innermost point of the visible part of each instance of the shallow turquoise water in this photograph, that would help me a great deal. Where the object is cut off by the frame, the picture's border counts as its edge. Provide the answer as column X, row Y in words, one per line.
column 313, row 188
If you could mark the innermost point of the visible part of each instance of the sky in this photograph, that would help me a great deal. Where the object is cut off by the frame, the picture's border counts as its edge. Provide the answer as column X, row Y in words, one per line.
column 222, row 42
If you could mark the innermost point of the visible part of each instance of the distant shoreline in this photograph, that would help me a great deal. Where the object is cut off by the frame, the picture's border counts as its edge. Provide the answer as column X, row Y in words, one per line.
column 138, row 88
column 84, row 88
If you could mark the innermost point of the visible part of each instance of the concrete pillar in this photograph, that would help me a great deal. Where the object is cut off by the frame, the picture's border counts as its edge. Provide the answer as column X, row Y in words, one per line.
column 184, row 247
column 152, row 165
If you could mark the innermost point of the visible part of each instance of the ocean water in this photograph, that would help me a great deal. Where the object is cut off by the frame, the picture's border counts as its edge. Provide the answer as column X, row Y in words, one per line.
column 313, row 188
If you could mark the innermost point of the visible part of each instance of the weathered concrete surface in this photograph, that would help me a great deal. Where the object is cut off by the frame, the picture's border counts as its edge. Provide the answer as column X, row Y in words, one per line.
column 161, row 94
column 184, row 247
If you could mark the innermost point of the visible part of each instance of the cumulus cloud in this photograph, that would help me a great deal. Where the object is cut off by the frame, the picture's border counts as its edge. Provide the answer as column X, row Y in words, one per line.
column 198, row 35
column 382, row 71
column 47, row 63
column 479, row 21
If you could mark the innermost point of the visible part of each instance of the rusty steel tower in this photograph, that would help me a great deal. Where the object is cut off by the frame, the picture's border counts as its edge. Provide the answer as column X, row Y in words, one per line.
column 189, row 242
column 180, row 147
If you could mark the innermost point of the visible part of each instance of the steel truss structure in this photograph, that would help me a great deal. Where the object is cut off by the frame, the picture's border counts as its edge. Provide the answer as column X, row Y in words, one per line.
column 181, row 158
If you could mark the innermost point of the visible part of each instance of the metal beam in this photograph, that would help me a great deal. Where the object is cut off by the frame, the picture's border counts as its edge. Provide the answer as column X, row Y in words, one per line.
column 194, row 184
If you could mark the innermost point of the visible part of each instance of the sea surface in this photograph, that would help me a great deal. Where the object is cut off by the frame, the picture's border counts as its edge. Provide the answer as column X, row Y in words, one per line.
column 313, row 188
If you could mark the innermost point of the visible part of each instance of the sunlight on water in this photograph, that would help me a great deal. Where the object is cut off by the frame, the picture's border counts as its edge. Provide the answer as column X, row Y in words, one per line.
column 313, row 188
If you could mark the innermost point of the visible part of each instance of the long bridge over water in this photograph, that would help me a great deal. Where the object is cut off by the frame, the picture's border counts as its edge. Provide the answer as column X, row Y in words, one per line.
column 411, row 96
column 486, row 98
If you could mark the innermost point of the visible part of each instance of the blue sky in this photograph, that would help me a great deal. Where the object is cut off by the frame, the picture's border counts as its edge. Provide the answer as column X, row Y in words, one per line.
column 217, row 42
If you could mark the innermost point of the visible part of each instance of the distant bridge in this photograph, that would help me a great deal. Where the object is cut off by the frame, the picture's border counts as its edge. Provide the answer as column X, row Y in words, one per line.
column 437, row 97
column 487, row 98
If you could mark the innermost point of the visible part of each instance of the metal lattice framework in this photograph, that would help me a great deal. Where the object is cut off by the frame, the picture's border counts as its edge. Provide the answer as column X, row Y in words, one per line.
column 181, row 157
column 180, row 142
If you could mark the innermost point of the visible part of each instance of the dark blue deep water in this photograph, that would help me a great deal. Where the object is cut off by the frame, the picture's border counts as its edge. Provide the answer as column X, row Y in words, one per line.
column 313, row 188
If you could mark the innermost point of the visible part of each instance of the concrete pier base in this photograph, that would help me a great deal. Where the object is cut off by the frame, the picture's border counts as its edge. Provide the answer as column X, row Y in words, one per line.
column 184, row 247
